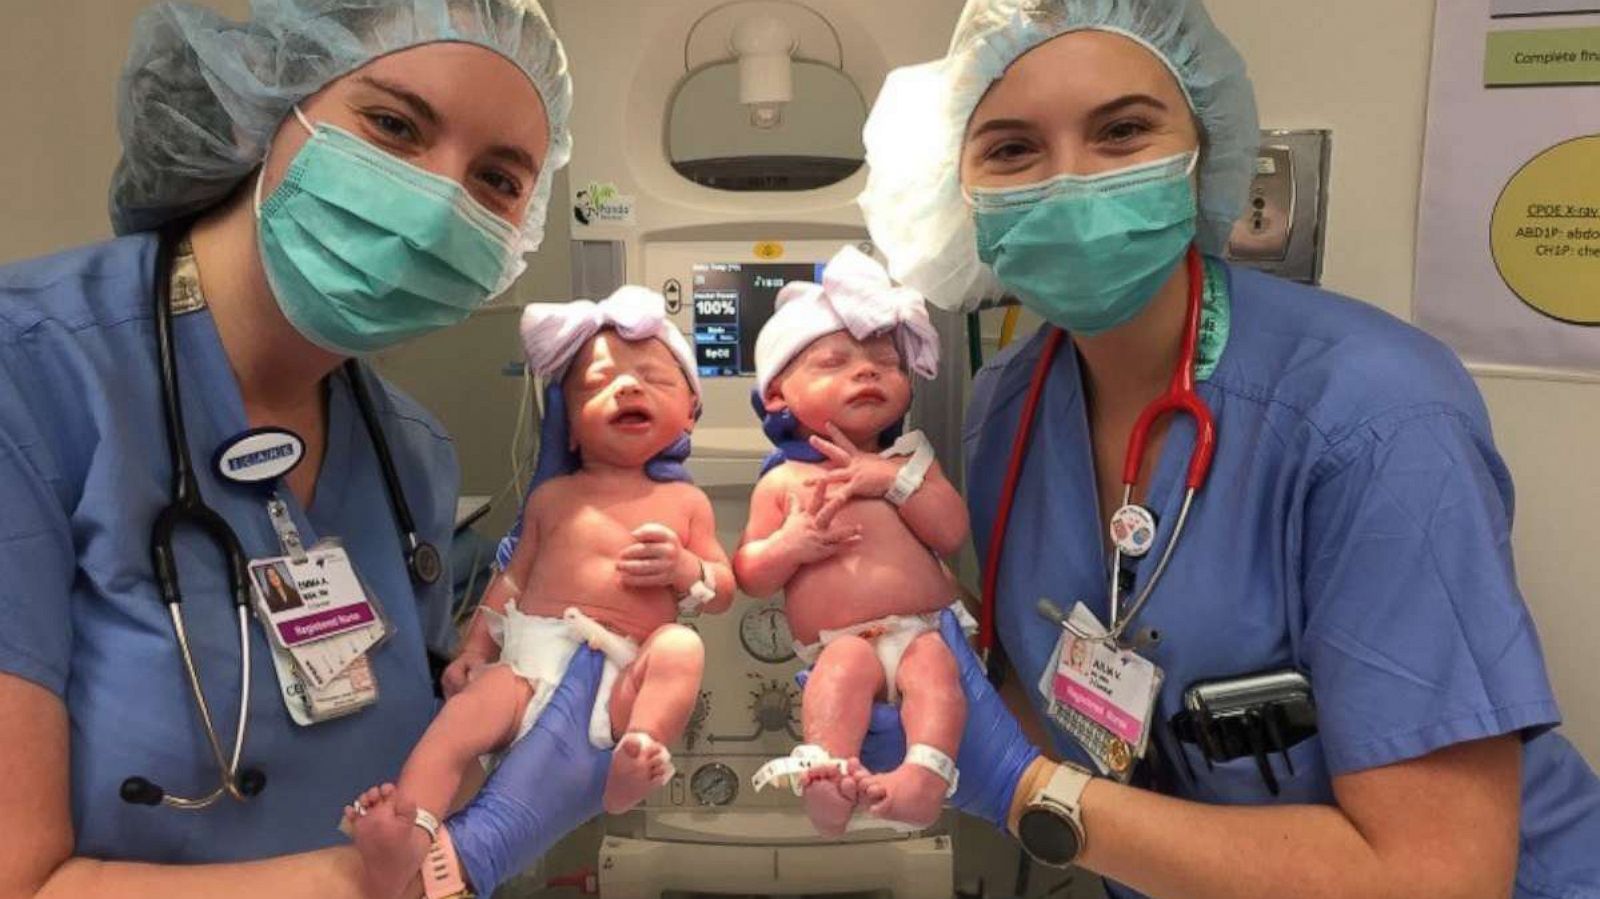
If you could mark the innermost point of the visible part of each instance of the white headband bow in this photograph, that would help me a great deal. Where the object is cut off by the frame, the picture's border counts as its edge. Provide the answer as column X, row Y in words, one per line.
column 552, row 333
column 855, row 295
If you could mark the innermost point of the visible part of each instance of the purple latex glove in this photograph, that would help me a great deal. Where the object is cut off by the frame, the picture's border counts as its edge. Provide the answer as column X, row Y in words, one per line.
column 548, row 784
column 994, row 753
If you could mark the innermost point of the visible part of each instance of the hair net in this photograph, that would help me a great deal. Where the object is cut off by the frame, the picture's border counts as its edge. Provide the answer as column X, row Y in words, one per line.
column 913, row 201
column 201, row 96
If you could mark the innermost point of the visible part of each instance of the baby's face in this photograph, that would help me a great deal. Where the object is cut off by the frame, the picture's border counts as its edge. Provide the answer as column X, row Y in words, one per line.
column 626, row 401
column 860, row 386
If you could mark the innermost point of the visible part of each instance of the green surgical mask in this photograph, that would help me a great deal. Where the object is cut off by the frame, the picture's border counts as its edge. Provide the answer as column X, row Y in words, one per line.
column 365, row 251
column 1088, row 253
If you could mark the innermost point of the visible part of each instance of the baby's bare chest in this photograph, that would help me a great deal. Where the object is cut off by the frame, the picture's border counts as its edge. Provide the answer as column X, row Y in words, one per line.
column 600, row 524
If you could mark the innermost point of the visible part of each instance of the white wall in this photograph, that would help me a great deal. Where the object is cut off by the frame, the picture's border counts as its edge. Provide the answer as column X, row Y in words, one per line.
column 59, row 63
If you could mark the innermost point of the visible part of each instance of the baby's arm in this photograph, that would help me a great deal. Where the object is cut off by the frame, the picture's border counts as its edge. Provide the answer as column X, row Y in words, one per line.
column 702, row 546
column 935, row 513
column 783, row 535
column 478, row 646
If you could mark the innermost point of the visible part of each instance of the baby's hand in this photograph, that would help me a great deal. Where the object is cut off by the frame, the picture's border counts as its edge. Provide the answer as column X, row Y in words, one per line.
column 855, row 473
column 808, row 533
column 461, row 671
column 658, row 559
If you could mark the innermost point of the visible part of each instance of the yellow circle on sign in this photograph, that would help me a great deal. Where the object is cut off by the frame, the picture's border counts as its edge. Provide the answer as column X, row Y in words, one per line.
column 769, row 249
column 1546, row 232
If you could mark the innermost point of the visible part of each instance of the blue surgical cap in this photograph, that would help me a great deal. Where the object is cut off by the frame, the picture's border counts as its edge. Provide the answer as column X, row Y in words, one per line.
column 913, row 201
column 201, row 96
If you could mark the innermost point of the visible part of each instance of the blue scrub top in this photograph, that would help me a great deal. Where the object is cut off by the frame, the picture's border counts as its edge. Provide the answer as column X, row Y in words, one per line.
column 83, row 472
column 1356, row 526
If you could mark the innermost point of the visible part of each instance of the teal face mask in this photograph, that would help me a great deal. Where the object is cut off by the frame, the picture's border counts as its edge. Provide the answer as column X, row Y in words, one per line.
column 1088, row 253
column 365, row 251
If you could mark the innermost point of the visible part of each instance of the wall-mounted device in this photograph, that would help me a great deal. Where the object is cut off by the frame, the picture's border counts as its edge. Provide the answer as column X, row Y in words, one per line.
column 1283, row 230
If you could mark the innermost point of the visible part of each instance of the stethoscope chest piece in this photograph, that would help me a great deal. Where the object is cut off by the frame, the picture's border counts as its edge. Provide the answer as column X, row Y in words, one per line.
column 425, row 564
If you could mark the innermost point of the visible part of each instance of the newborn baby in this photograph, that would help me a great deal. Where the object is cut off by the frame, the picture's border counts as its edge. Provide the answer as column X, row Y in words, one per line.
column 853, row 531
column 613, row 543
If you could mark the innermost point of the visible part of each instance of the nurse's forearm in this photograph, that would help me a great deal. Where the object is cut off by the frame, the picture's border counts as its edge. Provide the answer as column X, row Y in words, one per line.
column 326, row 874
column 1167, row 847
column 1444, row 825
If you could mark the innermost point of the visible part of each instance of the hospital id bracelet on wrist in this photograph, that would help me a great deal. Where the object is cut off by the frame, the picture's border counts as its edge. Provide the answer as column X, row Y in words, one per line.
column 911, row 475
column 699, row 593
column 441, row 870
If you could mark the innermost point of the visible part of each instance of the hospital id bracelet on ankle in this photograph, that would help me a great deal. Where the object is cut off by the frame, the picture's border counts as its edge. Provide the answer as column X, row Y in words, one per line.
column 699, row 593
column 441, row 869
column 923, row 755
column 911, row 475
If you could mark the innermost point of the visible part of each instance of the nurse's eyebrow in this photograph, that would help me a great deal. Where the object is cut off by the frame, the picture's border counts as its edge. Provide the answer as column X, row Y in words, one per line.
column 1121, row 103
column 420, row 107
column 998, row 125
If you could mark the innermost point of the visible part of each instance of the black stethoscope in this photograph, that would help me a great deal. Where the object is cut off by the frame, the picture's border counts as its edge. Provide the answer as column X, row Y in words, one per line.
column 187, row 508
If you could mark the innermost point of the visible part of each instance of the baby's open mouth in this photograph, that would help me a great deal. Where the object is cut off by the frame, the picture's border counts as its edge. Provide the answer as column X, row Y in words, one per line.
column 631, row 418
column 868, row 395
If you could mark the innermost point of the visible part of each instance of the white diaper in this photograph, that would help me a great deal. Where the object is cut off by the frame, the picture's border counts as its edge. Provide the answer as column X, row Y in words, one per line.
column 890, row 637
column 540, row 649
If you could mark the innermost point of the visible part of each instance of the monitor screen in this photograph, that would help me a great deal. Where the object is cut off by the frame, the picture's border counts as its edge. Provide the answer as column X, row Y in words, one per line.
column 732, row 301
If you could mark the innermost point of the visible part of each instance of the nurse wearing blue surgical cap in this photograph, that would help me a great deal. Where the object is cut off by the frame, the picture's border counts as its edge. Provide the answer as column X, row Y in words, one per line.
column 329, row 179
column 1089, row 157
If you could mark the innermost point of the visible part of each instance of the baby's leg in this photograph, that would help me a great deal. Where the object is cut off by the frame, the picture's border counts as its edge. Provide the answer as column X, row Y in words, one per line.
column 481, row 718
column 650, row 706
column 834, row 715
column 934, row 711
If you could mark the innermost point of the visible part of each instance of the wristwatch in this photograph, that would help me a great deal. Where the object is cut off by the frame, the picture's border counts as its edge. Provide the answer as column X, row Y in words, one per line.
column 1051, row 826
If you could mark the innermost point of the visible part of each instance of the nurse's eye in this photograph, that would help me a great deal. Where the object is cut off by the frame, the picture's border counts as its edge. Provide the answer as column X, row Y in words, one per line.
column 1125, row 131
column 1008, row 151
column 502, row 183
column 391, row 126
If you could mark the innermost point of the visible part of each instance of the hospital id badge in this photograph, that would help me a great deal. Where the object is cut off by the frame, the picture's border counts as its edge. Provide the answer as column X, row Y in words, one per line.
column 1101, row 694
column 353, row 690
column 317, row 610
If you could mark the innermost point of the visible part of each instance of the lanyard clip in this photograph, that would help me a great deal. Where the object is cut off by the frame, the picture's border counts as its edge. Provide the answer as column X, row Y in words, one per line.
column 288, row 534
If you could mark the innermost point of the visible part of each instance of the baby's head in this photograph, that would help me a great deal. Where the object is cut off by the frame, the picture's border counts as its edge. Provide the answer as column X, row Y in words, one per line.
column 627, row 400
column 843, row 351
column 622, row 379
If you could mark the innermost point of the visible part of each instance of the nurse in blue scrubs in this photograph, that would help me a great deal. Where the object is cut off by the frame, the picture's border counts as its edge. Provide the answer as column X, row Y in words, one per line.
column 1354, row 528
column 333, row 177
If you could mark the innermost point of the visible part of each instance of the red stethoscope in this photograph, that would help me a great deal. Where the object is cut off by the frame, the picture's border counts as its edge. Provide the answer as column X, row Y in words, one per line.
column 1133, row 526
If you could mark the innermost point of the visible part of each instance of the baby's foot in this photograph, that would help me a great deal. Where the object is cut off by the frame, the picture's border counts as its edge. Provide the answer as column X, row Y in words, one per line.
column 831, row 796
column 910, row 794
column 383, row 823
column 639, row 765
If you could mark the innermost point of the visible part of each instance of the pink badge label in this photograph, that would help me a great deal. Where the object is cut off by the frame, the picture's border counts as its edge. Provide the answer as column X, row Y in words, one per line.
column 324, row 624
column 1099, row 710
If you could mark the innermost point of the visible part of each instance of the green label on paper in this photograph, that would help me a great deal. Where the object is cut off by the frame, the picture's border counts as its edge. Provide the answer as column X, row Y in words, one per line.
column 1546, row 56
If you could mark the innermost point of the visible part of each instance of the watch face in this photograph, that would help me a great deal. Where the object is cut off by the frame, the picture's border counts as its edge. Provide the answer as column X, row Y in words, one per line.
column 1048, row 837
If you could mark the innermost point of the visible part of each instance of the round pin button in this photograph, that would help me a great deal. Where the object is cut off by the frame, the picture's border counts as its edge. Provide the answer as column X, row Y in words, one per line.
column 1133, row 530
column 1119, row 756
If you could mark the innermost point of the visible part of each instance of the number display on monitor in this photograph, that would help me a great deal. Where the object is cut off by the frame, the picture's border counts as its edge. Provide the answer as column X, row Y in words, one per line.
column 731, row 302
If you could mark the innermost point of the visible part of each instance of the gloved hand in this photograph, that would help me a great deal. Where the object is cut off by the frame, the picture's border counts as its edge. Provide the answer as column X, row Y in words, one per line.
column 994, row 753
column 548, row 784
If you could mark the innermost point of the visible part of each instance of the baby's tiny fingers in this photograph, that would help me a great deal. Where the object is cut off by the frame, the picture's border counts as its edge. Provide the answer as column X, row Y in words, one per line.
column 654, row 533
